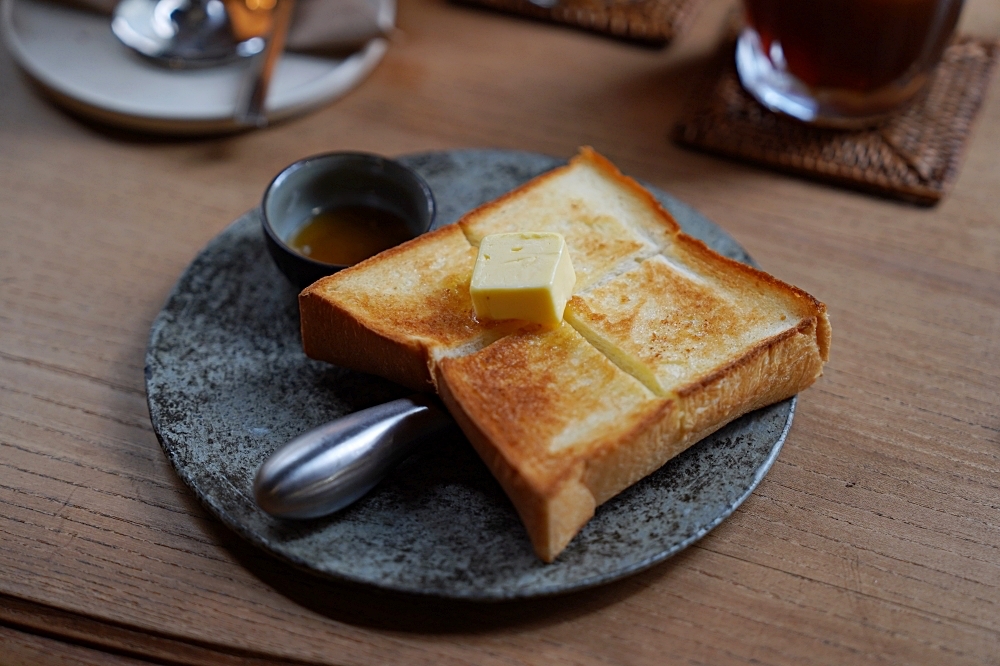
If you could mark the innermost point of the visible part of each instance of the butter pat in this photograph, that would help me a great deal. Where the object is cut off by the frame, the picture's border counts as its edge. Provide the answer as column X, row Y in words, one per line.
column 523, row 275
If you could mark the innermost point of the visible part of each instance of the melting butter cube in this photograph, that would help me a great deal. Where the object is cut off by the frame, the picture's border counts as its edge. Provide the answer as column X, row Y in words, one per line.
column 523, row 275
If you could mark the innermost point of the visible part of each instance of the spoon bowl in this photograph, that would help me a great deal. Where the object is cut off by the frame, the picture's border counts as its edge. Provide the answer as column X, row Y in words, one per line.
column 181, row 33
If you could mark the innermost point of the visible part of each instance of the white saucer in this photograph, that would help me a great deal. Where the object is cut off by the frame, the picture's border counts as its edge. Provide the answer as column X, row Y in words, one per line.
column 76, row 58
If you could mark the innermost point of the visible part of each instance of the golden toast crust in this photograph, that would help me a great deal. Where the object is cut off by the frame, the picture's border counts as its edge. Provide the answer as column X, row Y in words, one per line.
column 389, row 314
column 565, row 421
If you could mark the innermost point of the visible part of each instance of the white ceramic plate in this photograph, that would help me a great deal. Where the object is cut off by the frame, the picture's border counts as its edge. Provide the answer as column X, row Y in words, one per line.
column 76, row 58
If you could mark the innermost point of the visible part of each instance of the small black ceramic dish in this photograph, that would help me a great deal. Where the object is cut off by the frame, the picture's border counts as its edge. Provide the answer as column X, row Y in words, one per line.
column 343, row 181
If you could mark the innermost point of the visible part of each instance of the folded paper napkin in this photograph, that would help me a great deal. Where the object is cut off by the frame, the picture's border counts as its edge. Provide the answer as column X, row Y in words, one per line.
column 318, row 25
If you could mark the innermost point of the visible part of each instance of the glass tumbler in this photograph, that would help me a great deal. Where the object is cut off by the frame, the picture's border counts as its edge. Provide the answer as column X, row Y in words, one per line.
column 842, row 63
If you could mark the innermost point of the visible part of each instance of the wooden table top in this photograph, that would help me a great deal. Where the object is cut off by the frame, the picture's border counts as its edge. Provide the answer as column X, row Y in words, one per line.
column 875, row 538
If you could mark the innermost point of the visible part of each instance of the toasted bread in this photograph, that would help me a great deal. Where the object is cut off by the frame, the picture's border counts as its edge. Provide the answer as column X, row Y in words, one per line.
column 664, row 341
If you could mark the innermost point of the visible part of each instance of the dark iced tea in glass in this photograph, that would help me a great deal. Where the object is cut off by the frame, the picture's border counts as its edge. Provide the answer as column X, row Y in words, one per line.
column 842, row 62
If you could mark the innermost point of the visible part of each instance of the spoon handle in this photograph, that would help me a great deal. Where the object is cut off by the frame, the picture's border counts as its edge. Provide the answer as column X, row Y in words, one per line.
column 250, row 103
column 333, row 465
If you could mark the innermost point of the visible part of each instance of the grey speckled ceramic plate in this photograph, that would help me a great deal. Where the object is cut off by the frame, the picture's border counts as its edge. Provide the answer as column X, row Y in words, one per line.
column 227, row 384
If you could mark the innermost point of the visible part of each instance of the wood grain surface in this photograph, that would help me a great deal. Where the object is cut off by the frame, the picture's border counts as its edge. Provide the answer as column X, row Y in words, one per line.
column 875, row 539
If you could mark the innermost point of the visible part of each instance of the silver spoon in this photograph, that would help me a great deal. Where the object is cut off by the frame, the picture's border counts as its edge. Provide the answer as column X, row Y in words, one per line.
column 334, row 465
column 251, row 101
column 181, row 33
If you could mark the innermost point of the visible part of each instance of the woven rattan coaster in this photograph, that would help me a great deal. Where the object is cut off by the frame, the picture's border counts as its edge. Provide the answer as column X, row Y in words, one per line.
column 653, row 22
column 913, row 156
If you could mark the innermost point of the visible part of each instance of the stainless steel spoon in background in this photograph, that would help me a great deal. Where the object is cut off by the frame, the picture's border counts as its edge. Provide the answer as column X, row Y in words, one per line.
column 181, row 33
column 251, row 100
column 332, row 466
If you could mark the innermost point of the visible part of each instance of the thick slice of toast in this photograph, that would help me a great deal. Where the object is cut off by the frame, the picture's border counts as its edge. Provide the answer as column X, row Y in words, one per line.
column 390, row 315
column 538, row 406
column 664, row 341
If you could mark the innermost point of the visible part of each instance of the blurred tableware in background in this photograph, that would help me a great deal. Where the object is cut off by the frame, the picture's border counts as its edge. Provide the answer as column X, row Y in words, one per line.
column 842, row 63
column 914, row 155
column 68, row 48
column 319, row 26
column 188, row 33
column 252, row 97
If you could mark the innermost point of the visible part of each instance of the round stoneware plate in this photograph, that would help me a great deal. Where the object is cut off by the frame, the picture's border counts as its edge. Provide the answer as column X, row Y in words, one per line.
column 76, row 58
column 227, row 384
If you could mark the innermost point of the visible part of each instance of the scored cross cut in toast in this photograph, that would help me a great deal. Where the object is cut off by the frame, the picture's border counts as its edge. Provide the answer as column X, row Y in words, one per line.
column 664, row 341
column 538, row 406
column 390, row 314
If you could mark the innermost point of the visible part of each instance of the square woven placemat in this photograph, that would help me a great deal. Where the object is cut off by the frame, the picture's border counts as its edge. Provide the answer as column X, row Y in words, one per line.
column 653, row 22
column 913, row 156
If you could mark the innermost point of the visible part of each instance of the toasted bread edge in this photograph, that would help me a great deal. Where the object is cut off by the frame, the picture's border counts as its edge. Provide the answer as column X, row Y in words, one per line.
column 552, row 518
column 807, row 304
column 774, row 370
column 401, row 360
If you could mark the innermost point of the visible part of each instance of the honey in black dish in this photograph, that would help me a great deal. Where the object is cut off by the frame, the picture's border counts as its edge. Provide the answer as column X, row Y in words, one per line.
column 345, row 235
